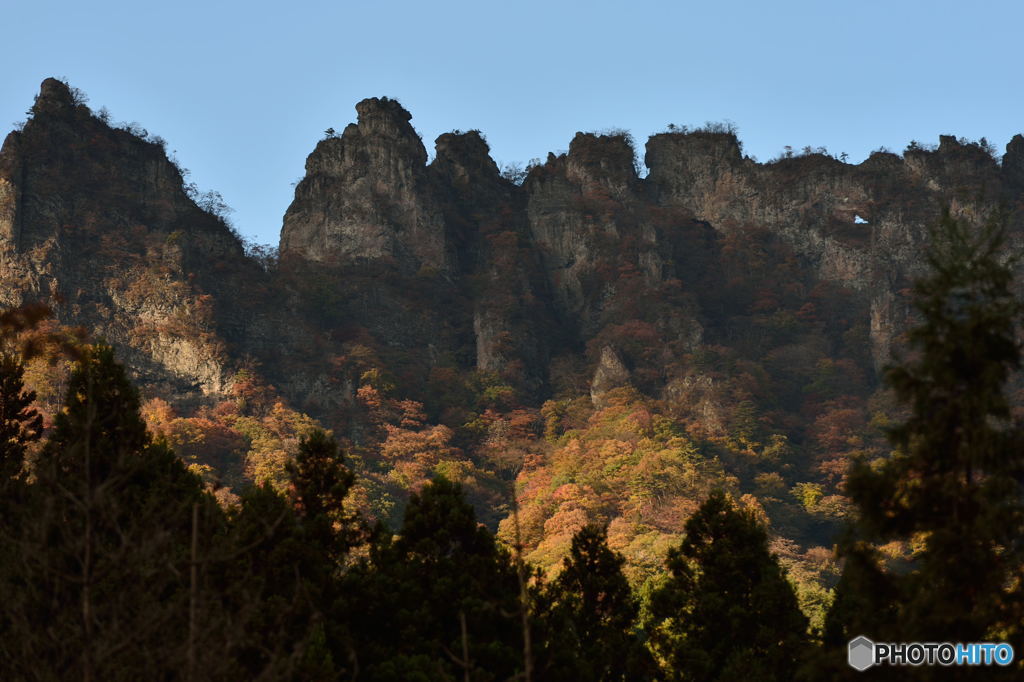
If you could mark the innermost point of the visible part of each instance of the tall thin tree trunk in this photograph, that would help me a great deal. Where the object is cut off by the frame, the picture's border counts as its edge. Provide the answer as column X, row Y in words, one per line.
column 86, row 594
column 193, row 594
column 87, row 654
column 524, row 603
column 465, row 646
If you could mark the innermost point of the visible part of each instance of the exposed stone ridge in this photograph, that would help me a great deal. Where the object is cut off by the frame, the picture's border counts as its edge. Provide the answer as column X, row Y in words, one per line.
column 587, row 212
column 464, row 159
column 451, row 262
column 682, row 159
column 492, row 247
column 97, row 219
column 1013, row 163
column 54, row 96
column 863, row 226
column 597, row 162
column 365, row 196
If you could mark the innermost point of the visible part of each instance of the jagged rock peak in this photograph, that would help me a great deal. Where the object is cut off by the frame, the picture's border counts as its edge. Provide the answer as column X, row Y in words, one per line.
column 54, row 96
column 611, row 373
column 680, row 161
column 949, row 144
column 974, row 152
column 382, row 136
column 882, row 161
column 667, row 149
column 1016, row 145
column 381, row 108
column 600, row 146
column 1013, row 161
column 607, row 159
column 366, row 195
column 465, row 157
column 384, row 117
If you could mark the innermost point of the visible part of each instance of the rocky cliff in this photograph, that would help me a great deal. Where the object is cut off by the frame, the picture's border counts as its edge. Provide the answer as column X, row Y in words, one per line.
column 366, row 196
column 583, row 267
column 864, row 226
column 98, row 221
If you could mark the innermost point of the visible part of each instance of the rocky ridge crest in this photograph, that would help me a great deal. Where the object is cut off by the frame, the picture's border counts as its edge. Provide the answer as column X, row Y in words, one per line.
column 452, row 262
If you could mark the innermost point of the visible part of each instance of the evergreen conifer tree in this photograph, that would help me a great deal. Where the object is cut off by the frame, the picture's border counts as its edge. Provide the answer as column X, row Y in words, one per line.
column 726, row 611
column 440, row 601
column 589, row 613
column 953, row 485
column 19, row 426
column 274, row 579
column 320, row 482
column 102, row 551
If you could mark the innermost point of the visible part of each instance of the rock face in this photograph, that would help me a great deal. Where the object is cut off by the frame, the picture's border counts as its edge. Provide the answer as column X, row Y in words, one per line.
column 583, row 214
column 449, row 264
column 611, row 373
column 1013, row 164
column 96, row 220
column 593, row 242
column 366, row 196
column 863, row 226
column 372, row 213
column 492, row 256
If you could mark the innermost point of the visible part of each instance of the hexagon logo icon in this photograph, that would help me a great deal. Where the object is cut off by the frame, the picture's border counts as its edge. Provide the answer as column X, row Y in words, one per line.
column 861, row 655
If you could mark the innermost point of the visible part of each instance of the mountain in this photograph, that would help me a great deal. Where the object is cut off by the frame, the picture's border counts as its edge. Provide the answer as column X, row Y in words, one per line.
column 616, row 341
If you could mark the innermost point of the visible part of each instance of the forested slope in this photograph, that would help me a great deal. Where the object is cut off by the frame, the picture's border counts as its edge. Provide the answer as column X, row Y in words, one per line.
column 579, row 340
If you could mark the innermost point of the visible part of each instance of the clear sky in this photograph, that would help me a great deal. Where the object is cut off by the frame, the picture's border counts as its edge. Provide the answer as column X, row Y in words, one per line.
column 242, row 91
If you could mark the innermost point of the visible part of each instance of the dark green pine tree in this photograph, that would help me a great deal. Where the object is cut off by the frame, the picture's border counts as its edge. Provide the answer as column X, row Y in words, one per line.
column 864, row 602
column 953, row 484
column 441, row 601
column 274, row 581
column 726, row 611
column 99, row 428
column 20, row 425
column 102, row 561
column 320, row 482
column 587, row 619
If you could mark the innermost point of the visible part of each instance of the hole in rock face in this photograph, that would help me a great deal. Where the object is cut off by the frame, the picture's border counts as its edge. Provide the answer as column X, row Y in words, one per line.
column 859, row 221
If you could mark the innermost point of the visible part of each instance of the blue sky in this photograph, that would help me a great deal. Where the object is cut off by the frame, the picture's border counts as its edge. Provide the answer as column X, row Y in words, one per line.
column 242, row 91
